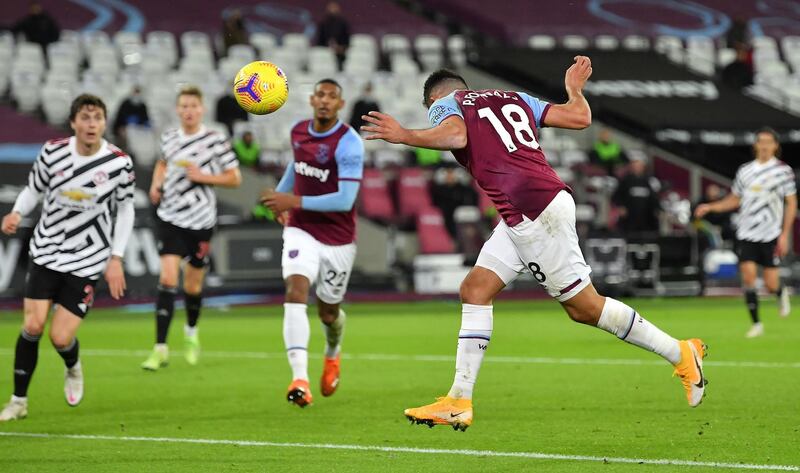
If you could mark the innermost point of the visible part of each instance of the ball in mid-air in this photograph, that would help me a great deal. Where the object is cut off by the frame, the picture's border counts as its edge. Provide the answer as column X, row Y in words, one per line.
column 261, row 87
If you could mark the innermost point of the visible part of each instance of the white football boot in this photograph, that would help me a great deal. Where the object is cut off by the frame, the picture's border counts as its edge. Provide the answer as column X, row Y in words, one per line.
column 73, row 384
column 17, row 408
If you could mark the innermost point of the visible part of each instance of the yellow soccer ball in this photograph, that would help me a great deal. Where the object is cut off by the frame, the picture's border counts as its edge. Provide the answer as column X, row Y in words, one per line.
column 261, row 87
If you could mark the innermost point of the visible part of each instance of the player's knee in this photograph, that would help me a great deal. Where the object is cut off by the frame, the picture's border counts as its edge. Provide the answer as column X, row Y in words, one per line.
column 587, row 313
column 296, row 294
column 60, row 340
column 168, row 279
column 328, row 314
column 192, row 287
column 473, row 293
column 33, row 327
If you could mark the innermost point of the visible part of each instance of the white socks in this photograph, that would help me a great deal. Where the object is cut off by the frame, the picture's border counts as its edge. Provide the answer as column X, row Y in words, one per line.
column 296, row 331
column 334, row 334
column 473, row 340
column 627, row 325
column 189, row 331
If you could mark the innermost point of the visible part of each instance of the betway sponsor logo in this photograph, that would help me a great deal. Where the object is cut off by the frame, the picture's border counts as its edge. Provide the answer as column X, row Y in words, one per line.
column 654, row 88
column 304, row 169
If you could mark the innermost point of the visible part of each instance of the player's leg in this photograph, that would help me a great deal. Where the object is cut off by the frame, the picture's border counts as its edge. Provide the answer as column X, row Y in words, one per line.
column 74, row 300
column 165, row 308
column 552, row 251
column 336, row 265
column 497, row 265
column 41, row 287
column 26, row 356
column 749, row 271
column 773, row 283
column 300, row 264
column 193, row 274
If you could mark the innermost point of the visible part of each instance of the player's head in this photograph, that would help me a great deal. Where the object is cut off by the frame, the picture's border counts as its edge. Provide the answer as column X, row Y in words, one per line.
column 327, row 100
column 189, row 106
column 439, row 84
column 767, row 144
column 87, row 118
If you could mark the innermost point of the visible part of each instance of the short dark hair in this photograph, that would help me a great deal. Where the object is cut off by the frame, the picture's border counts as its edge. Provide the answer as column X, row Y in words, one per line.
column 86, row 100
column 437, row 78
column 328, row 80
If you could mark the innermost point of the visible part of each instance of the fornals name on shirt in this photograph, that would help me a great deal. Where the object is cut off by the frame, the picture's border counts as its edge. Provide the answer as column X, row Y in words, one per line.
column 469, row 99
column 304, row 169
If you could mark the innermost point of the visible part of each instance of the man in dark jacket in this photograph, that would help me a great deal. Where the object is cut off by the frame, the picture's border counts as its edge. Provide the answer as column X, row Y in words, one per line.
column 637, row 195
column 334, row 31
column 37, row 26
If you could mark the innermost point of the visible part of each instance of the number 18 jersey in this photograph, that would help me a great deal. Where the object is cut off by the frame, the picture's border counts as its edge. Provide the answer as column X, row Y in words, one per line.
column 503, row 152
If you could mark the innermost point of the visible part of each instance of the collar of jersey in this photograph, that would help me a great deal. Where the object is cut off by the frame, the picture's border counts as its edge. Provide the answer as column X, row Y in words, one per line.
column 200, row 131
column 766, row 163
column 73, row 148
column 324, row 134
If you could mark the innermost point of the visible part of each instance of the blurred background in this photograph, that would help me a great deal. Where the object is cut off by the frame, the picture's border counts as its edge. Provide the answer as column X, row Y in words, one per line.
column 678, row 89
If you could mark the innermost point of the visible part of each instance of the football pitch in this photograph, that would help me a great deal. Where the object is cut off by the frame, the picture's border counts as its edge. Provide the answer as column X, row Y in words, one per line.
column 552, row 395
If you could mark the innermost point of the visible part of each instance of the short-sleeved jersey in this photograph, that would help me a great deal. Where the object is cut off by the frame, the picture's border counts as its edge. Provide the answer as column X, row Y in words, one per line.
column 503, row 152
column 74, row 232
column 762, row 188
column 321, row 160
column 184, row 203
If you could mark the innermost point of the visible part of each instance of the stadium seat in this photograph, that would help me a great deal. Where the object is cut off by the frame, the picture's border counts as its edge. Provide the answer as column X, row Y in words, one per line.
column 395, row 44
column 725, row 56
column 64, row 50
column 29, row 51
column 375, row 201
column 263, row 42
column 636, row 43
column 55, row 104
column 242, row 52
column 361, row 64
column 164, row 45
column 142, row 144
column 192, row 41
column 573, row 157
column 575, row 42
column 27, row 97
column 670, row 46
column 322, row 61
column 296, row 42
column 541, row 41
column 92, row 39
column 364, row 43
column 431, row 232
column 413, row 192
column 386, row 157
column 290, row 61
column 606, row 42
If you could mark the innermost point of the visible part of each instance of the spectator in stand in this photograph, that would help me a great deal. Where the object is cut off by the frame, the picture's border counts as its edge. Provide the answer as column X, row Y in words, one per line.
column 233, row 30
column 637, row 197
column 247, row 150
column 738, row 34
column 450, row 191
column 37, row 26
column 739, row 73
column 132, row 111
column 334, row 31
column 365, row 104
column 721, row 220
column 229, row 111
column 607, row 153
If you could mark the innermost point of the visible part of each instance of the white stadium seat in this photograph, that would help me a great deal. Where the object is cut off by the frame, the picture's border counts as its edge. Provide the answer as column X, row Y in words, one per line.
column 636, row 43
column 541, row 41
column 606, row 42
column 394, row 44
column 264, row 43
column 575, row 42
column 296, row 42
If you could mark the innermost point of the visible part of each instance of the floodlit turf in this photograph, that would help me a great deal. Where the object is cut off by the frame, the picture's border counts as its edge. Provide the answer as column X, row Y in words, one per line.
column 538, row 392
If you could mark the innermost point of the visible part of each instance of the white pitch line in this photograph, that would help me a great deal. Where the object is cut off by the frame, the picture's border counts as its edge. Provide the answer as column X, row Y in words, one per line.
column 434, row 451
column 100, row 352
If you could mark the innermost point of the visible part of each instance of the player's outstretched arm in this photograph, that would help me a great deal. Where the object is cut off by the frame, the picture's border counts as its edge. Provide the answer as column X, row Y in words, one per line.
column 576, row 113
column 448, row 135
column 728, row 203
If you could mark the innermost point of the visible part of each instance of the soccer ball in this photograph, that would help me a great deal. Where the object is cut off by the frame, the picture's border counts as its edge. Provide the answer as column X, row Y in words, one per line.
column 260, row 87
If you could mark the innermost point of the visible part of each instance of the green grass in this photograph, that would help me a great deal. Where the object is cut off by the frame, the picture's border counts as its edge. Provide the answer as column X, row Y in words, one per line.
column 751, row 414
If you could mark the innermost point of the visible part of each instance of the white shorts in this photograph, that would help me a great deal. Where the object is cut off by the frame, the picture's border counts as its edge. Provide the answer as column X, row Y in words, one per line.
column 546, row 247
column 327, row 266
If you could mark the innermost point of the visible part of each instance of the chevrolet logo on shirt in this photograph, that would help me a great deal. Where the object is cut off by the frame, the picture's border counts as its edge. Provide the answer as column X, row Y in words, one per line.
column 76, row 195
column 182, row 163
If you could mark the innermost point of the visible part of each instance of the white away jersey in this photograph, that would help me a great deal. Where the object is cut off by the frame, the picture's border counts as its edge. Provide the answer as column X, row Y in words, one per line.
column 75, row 229
column 184, row 203
column 762, row 189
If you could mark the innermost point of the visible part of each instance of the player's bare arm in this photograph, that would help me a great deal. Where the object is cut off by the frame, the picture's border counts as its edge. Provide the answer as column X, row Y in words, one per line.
column 727, row 204
column 159, row 171
column 115, row 276
column 228, row 178
column 576, row 113
column 789, row 213
column 450, row 134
